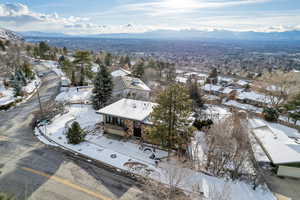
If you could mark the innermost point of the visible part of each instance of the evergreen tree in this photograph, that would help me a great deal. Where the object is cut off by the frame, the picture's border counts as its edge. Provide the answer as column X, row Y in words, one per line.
column 65, row 51
column 213, row 76
column 75, row 134
column 2, row 46
column 170, row 73
column 195, row 93
column 108, row 60
column 43, row 48
column 171, row 125
column 127, row 61
column 27, row 69
column 293, row 108
column 139, row 70
column 83, row 58
column 103, row 88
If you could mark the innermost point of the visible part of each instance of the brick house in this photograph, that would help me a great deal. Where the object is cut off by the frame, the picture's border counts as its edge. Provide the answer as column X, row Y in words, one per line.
column 127, row 117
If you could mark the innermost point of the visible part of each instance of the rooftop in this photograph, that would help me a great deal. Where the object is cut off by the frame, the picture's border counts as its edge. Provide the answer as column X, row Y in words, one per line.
column 281, row 143
column 129, row 109
column 126, row 82
column 120, row 72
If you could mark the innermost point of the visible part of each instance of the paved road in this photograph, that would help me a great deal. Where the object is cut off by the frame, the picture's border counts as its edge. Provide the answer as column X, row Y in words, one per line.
column 31, row 170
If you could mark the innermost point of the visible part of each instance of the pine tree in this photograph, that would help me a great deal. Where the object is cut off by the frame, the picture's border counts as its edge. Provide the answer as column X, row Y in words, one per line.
column 195, row 93
column 139, row 70
column 83, row 58
column 75, row 134
column 213, row 76
column 103, row 88
column 171, row 125
column 108, row 60
column 293, row 108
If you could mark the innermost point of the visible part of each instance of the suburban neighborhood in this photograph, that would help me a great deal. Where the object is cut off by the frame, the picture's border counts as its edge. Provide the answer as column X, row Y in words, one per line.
column 147, row 113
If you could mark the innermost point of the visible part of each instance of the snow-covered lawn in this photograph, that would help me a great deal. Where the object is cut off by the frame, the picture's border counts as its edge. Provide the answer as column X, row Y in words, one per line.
column 7, row 95
column 75, row 95
column 127, row 156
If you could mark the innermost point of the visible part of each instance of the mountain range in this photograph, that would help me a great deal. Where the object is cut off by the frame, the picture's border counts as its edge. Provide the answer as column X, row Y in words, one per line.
column 183, row 34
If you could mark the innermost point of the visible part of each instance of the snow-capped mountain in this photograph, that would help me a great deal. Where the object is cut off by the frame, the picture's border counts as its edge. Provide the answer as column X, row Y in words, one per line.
column 9, row 35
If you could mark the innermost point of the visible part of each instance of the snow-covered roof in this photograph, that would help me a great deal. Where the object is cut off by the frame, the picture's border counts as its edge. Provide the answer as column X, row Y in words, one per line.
column 242, row 82
column 227, row 90
column 181, row 79
column 254, row 97
column 129, row 109
column 225, row 79
column 281, row 143
column 196, row 74
column 120, row 72
column 243, row 106
column 211, row 87
column 126, row 82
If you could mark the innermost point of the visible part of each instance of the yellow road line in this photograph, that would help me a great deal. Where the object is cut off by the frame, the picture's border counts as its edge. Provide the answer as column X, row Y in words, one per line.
column 67, row 183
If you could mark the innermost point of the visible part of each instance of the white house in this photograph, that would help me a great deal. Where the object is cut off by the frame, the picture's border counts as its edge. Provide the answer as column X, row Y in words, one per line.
column 280, row 143
column 130, row 87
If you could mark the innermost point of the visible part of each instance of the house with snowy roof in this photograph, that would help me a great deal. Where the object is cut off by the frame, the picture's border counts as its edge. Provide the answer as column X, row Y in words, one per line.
column 254, row 98
column 130, row 87
column 212, row 89
column 127, row 117
column 120, row 72
column 280, row 144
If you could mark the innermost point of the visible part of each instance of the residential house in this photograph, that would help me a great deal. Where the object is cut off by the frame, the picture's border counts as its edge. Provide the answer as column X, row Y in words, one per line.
column 127, row 117
column 212, row 89
column 120, row 72
column 254, row 98
column 130, row 87
column 280, row 144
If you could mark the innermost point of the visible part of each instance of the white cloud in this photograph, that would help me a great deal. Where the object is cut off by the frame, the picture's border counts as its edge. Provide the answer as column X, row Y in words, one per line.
column 19, row 15
column 152, row 15
column 167, row 7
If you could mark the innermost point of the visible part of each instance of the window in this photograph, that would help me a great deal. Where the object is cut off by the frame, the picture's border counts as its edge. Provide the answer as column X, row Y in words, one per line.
column 114, row 120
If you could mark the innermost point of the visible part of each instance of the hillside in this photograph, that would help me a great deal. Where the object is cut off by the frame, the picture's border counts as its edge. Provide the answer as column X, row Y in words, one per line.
column 9, row 35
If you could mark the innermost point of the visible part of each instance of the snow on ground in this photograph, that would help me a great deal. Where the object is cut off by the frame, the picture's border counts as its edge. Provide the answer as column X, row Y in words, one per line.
column 31, row 86
column 286, row 119
column 71, row 95
column 53, row 65
column 127, row 154
column 6, row 96
column 246, row 107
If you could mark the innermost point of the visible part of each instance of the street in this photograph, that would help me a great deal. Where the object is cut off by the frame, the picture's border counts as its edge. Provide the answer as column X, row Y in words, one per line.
column 31, row 170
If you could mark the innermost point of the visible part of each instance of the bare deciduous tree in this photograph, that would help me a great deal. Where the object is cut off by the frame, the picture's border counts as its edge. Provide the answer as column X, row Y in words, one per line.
column 228, row 147
column 278, row 86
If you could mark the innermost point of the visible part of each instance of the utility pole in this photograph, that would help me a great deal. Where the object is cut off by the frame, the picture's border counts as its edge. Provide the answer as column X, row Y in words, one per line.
column 38, row 94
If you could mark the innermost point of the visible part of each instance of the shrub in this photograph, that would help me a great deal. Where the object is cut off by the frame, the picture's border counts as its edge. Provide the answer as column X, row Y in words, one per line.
column 75, row 134
column 270, row 114
column 199, row 124
column 4, row 196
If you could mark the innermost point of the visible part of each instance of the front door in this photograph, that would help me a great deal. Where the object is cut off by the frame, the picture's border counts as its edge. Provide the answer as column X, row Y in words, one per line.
column 137, row 131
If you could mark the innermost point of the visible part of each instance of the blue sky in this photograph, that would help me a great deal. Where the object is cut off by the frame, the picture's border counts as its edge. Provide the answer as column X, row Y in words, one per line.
column 115, row 16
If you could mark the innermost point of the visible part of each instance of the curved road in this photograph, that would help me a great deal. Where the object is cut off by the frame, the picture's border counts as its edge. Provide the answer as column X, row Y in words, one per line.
column 31, row 170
